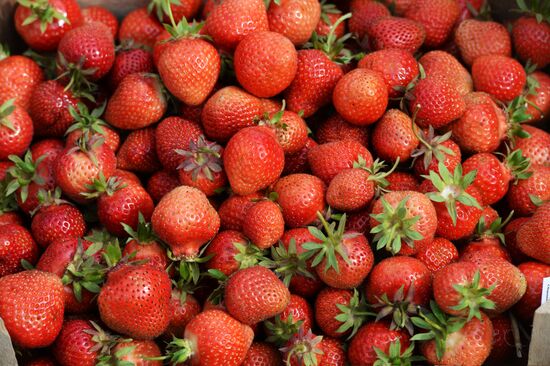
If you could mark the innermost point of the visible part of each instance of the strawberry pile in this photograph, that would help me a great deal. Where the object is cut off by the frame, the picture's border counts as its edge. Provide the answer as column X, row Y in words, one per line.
column 294, row 183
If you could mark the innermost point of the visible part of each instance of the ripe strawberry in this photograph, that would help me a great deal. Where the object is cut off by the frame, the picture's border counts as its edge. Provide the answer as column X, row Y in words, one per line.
column 467, row 7
column 393, row 137
column 534, row 273
column 81, row 342
column 233, row 210
column 230, row 21
column 308, row 349
column 531, row 236
column 264, row 224
column 138, row 152
column 231, row 251
column 438, row 18
column 539, row 97
column 17, row 244
column 440, row 64
column 19, row 76
column 363, row 15
column 228, row 111
column 49, row 108
column 160, row 183
column 135, row 300
column 16, row 130
column 332, row 306
column 102, row 15
column 42, row 23
column 503, row 340
column 144, row 245
column 214, row 338
column 90, row 47
column 289, row 127
column 189, row 67
column 137, row 102
column 477, row 38
column 353, row 189
column 130, row 61
column 500, row 76
column 31, row 306
column 298, row 315
column 361, row 96
column 253, row 160
column 520, row 195
column 174, row 133
column 433, row 150
column 436, row 102
column 510, row 238
column 255, row 294
column 137, row 352
column 294, row 19
column 297, row 163
column 140, row 27
column 530, row 35
column 262, row 354
column 438, row 254
column 180, row 10
column 536, row 147
column 335, row 128
column 184, row 309
column 329, row 16
column 402, row 181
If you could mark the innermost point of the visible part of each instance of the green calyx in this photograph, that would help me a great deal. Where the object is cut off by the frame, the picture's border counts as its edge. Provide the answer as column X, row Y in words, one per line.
column 178, row 351
column 304, row 348
column 431, row 146
column 495, row 230
column 42, row 11
column 280, row 331
column 84, row 271
column 189, row 268
column 518, row 165
column 216, row 296
column 396, row 227
column 162, row 8
column 8, row 202
column 354, row 315
column 273, row 121
column 185, row 30
column 203, row 159
column 517, row 114
column 327, row 8
column 395, row 357
column 331, row 243
column 287, row 262
column 116, row 358
column 23, row 173
column 540, row 9
column 248, row 255
column 101, row 186
column 112, row 252
column 49, row 198
column 473, row 298
column 104, row 343
column 86, row 121
column 87, row 144
column 401, row 308
column 4, row 51
column 78, row 77
column 6, row 109
column 376, row 174
column 438, row 325
column 451, row 188
column 143, row 234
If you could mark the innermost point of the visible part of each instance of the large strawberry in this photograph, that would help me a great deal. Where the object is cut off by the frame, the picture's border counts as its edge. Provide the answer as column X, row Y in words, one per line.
column 531, row 237
column 476, row 38
column 393, row 32
column 16, row 130
column 17, row 244
column 530, row 32
column 31, row 306
column 438, row 18
column 500, row 76
column 439, row 63
column 295, row 19
column 19, row 75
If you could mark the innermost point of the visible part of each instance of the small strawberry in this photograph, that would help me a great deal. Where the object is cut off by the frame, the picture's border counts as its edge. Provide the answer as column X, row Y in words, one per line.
column 138, row 152
column 130, row 61
column 534, row 273
column 100, row 14
column 17, row 245
column 140, row 27
column 477, row 38
column 297, row 315
column 438, row 254
column 393, row 32
column 335, row 128
column 307, row 349
column 262, row 354
column 294, row 19
column 440, row 64
column 234, row 208
column 174, row 133
column 184, row 308
column 393, row 137
column 531, row 236
column 536, row 187
column 16, row 130
column 530, row 33
column 510, row 238
column 264, row 224
column 500, row 76
column 438, row 18
column 230, row 251
column 364, row 14
column 160, row 183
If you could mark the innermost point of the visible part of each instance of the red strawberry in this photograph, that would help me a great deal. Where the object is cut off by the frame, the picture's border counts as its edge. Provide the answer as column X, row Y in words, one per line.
column 228, row 111
column 438, row 18
column 262, row 354
column 335, row 128
column 16, row 130
column 180, row 10
column 234, row 208
column 140, row 353
column 440, row 64
column 531, row 236
column 477, row 38
column 520, row 195
column 361, row 97
column 329, row 16
column 433, row 150
column 289, row 127
column 536, row 147
column 534, row 273
column 130, row 61
column 298, row 315
column 393, row 136
column 363, row 15
column 294, row 19
column 466, row 11
column 438, row 254
column 77, row 343
column 174, row 133
column 19, row 76
column 135, row 300
column 297, row 162
column 31, row 306
column 255, row 294
column 510, row 238
column 308, row 349
column 253, row 160
column 539, row 97
column 500, row 76
column 160, row 183
column 185, row 220
column 230, row 252
column 230, row 21
column 17, row 244
column 530, row 40
column 328, row 306
column 353, row 189
column 184, row 309
column 138, row 152
column 394, row 32
column 144, row 245
column 42, row 23
column 402, row 181
column 100, row 14
column 503, row 340
column 140, row 27
column 137, row 102
column 264, row 224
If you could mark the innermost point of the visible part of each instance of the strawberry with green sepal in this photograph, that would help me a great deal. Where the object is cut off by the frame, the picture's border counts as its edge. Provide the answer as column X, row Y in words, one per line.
column 294, row 19
column 342, row 259
column 488, row 238
column 136, row 352
column 534, row 144
column 530, row 31
column 500, row 76
column 86, row 121
column 307, row 349
column 174, row 133
column 178, row 9
column 531, row 236
column 138, row 152
column 538, row 89
column 184, row 308
column 394, row 355
column 230, row 251
column 329, row 16
column 524, row 196
column 297, row 314
column 16, row 129
column 17, row 245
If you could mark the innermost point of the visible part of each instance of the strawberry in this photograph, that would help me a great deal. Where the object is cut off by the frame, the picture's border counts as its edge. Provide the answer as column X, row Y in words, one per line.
column 538, row 97
column 138, row 352
column 415, row 216
column 77, row 341
column 435, row 102
column 213, row 337
column 88, row 49
column 402, row 181
column 364, row 14
column 185, row 220
column 184, row 309
column 179, row 9
column 373, row 338
column 17, row 245
column 438, row 254
column 438, row 18
column 300, row 197
column 86, row 122
column 135, row 300
column 143, row 90
column 49, row 108
column 31, row 306
column 42, row 23
column 255, row 294
column 234, row 208
column 397, row 66
column 361, row 97
column 78, row 166
column 534, row 273
column 228, row 111
column 329, row 305
column 531, row 235
column 130, row 61
column 329, row 16
column 297, row 315
column 470, row 9
column 536, row 146
column 529, row 34
column 454, row 341
column 144, row 245
column 305, row 348
column 16, row 130
column 444, row 65
column 537, row 186
column 510, row 238
column 500, row 76
column 102, row 15
column 265, row 63
column 294, row 19
column 342, row 259
column 264, row 224
column 160, row 183
column 393, row 137
column 335, row 128
column 230, row 21
column 138, row 152
column 190, row 66
column 262, row 354
column 174, row 133
column 297, row 163
column 477, row 38
column 434, row 149
column 393, row 32
column 140, row 27
column 327, row 160
column 503, row 339
column 12, row 82
column 289, row 127
column 230, row 251
column 253, row 160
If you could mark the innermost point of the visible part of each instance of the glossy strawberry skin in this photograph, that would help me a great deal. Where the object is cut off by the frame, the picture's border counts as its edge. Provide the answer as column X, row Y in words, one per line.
column 538, row 185
column 439, row 63
column 138, row 152
column 14, row 141
column 536, row 147
column 438, row 18
column 335, row 128
column 392, row 32
column 160, row 183
column 55, row 222
column 300, row 310
column 140, row 27
column 438, row 254
column 530, row 40
column 477, row 38
column 74, row 344
column 531, row 236
column 174, row 133
column 264, row 224
column 233, row 210
column 492, row 177
column 102, row 15
column 295, row 19
column 350, row 190
column 375, row 334
column 393, row 136
column 326, row 310
column 130, row 62
column 16, row 244
column 364, row 14
column 223, row 251
column 500, row 76
column 182, row 313
column 19, row 75
column 262, row 354
column 534, row 273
